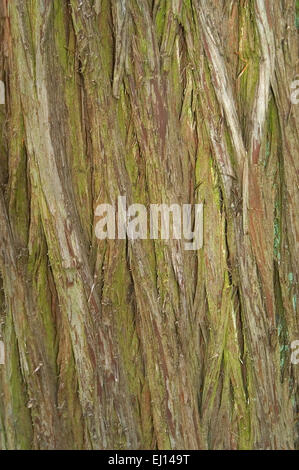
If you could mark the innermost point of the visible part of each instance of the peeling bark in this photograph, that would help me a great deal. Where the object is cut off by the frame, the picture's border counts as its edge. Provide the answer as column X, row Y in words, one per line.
column 115, row 344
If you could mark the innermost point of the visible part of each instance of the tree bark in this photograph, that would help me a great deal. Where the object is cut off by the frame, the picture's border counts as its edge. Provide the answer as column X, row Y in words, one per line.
column 121, row 344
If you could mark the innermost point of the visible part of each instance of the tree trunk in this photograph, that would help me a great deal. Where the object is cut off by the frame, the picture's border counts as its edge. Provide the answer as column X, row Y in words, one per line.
column 141, row 344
